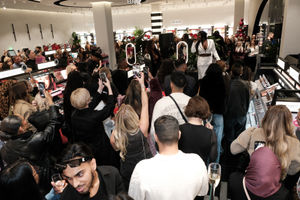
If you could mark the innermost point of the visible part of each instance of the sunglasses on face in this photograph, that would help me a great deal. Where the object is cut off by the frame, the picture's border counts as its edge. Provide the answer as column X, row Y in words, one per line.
column 72, row 163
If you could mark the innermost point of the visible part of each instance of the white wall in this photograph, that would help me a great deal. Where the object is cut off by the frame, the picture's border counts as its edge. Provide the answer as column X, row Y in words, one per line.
column 179, row 16
column 290, row 43
column 123, row 18
column 63, row 26
column 131, row 20
column 209, row 16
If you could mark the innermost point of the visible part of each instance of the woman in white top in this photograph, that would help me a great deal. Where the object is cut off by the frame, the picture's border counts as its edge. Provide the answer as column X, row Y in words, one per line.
column 252, row 51
column 205, row 49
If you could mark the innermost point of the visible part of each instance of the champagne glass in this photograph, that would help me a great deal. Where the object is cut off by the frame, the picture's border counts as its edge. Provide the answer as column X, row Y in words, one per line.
column 298, row 187
column 58, row 180
column 214, row 176
column 209, row 119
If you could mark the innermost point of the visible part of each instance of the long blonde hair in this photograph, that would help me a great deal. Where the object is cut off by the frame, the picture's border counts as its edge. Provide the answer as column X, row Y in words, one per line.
column 126, row 122
column 277, row 126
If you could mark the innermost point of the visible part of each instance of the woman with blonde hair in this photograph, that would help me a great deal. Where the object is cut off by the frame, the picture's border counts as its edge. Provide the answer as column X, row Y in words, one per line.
column 130, row 135
column 277, row 133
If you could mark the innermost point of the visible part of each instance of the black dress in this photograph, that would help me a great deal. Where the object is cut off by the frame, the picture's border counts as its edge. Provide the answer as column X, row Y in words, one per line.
column 198, row 139
column 137, row 150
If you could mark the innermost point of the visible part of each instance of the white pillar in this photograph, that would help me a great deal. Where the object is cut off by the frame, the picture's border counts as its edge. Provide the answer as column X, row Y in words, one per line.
column 238, row 13
column 252, row 9
column 290, row 43
column 104, row 30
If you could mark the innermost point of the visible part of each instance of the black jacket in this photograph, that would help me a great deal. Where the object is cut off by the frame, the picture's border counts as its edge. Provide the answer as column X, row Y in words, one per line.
column 32, row 146
column 238, row 100
column 35, row 147
column 87, row 127
column 120, row 80
column 213, row 91
column 110, row 181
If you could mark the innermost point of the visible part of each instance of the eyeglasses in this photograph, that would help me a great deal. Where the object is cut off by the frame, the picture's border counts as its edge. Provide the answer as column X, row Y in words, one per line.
column 72, row 163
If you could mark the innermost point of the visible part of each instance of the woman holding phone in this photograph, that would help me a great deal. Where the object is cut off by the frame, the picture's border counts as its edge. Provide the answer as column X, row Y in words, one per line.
column 130, row 135
column 277, row 133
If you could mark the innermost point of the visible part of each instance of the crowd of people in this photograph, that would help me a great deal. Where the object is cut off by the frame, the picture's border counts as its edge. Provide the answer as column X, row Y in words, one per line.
column 150, row 136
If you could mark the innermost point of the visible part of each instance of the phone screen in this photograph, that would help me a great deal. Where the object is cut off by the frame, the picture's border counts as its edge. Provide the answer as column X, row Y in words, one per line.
column 41, row 89
column 102, row 77
column 258, row 144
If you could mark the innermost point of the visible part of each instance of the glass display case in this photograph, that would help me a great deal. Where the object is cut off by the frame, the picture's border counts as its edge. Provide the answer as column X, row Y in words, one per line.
column 277, row 85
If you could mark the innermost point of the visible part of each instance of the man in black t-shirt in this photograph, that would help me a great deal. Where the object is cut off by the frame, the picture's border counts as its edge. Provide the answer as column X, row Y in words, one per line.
column 31, row 60
column 84, row 180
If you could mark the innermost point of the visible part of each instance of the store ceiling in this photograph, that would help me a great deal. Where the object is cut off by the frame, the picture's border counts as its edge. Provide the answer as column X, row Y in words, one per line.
column 73, row 5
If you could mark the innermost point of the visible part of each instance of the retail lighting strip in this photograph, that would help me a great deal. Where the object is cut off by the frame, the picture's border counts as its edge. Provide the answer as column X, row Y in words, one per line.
column 51, row 52
column 11, row 73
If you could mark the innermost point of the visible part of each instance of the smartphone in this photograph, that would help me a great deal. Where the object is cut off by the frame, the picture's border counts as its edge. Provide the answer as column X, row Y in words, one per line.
column 258, row 144
column 41, row 89
column 145, row 71
column 136, row 71
column 102, row 76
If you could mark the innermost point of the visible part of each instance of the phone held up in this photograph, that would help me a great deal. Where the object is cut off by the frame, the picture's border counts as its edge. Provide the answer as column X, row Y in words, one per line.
column 42, row 89
column 102, row 76
column 258, row 144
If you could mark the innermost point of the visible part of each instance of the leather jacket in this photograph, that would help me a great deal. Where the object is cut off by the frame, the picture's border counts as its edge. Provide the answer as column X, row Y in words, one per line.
column 32, row 146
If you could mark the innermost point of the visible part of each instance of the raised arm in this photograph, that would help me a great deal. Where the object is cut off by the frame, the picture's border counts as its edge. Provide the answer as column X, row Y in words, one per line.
column 144, row 119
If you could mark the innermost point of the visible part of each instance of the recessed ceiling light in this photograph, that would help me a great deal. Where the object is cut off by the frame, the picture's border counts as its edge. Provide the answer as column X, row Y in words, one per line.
column 4, row 8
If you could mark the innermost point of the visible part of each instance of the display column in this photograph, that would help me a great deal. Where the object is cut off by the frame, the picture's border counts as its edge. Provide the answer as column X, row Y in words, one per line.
column 251, row 7
column 156, row 19
column 104, row 30
column 290, row 43
column 238, row 13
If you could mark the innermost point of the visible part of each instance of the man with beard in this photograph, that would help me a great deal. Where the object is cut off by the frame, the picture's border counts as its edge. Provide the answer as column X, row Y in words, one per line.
column 84, row 180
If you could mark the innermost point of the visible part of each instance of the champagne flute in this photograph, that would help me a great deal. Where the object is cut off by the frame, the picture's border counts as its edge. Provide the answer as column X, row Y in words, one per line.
column 214, row 176
column 209, row 119
column 298, row 187
column 58, row 180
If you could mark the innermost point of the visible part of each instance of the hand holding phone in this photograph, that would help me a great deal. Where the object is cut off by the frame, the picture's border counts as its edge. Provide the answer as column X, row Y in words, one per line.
column 258, row 144
column 41, row 89
column 102, row 76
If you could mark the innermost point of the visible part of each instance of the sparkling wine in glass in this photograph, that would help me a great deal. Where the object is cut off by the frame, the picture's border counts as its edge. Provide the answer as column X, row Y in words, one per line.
column 58, row 180
column 298, row 187
column 214, row 176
